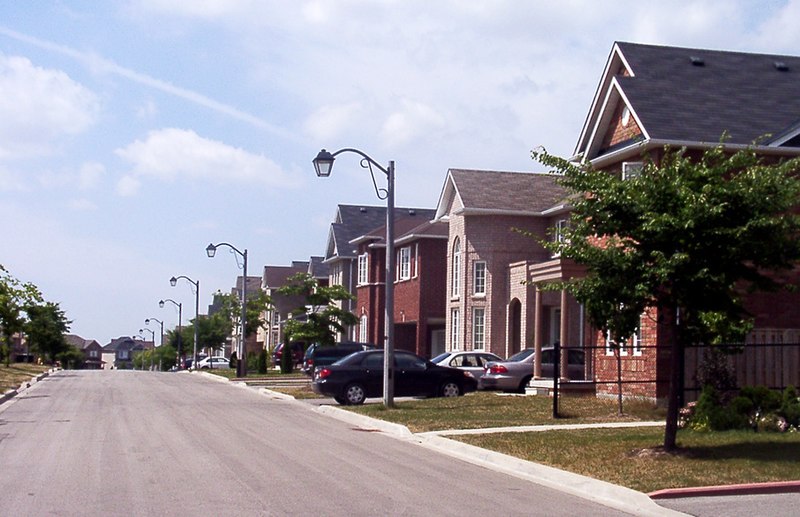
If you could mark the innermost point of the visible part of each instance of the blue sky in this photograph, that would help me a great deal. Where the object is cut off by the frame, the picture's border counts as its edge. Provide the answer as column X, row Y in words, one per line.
column 133, row 133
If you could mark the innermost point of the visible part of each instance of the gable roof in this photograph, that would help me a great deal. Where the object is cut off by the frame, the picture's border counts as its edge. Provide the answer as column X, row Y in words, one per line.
column 353, row 221
column 276, row 276
column 684, row 96
column 499, row 193
column 79, row 342
column 407, row 226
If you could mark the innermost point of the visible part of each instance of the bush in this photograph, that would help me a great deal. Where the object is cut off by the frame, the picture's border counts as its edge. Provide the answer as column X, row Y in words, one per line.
column 233, row 360
column 756, row 407
column 790, row 407
column 262, row 362
column 287, row 361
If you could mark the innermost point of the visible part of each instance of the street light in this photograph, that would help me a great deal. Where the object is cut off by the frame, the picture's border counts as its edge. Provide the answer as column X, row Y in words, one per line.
column 153, row 337
column 180, row 327
column 173, row 282
column 161, row 340
column 241, row 362
column 323, row 165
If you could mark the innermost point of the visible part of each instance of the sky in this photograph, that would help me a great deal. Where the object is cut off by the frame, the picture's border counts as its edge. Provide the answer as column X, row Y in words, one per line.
column 133, row 133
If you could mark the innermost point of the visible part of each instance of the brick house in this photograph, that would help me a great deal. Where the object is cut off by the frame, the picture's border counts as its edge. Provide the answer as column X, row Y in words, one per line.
column 122, row 350
column 486, row 307
column 341, row 255
column 274, row 278
column 419, row 284
column 91, row 349
column 650, row 97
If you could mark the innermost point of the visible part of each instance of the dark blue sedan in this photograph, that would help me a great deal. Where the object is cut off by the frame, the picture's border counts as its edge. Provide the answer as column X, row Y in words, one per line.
column 360, row 375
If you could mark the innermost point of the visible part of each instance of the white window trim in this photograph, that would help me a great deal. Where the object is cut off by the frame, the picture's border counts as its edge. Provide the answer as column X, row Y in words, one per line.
column 455, row 280
column 363, row 269
column 363, row 328
column 475, row 319
column 631, row 169
column 455, row 329
column 475, row 265
column 404, row 271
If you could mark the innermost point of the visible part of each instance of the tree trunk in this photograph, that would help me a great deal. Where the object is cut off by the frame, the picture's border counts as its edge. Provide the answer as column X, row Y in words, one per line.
column 671, row 429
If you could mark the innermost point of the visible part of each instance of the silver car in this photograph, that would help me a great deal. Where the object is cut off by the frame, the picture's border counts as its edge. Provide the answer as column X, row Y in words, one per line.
column 514, row 374
column 472, row 362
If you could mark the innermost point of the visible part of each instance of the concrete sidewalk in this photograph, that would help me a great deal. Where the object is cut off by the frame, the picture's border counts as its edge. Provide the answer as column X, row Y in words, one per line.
column 607, row 494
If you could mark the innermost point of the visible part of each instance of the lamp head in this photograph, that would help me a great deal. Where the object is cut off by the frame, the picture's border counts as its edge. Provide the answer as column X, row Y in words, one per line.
column 147, row 321
column 211, row 250
column 173, row 281
column 323, row 164
column 161, row 304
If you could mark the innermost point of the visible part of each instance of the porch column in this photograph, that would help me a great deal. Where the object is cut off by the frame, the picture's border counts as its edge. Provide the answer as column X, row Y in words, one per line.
column 564, row 332
column 537, row 333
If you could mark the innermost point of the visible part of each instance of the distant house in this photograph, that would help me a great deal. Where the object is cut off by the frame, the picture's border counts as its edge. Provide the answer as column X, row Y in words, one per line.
column 341, row 255
column 92, row 351
column 274, row 278
column 253, row 343
column 419, row 284
column 123, row 349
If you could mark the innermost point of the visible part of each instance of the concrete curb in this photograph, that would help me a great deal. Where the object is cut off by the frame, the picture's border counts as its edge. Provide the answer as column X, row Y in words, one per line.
column 10, row 394
column 773, row 487
column 366, row 422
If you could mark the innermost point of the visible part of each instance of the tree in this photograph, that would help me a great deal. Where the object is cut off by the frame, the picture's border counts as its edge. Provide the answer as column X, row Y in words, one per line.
column 212, row 331
column 257, row 304
column 45, row 328
column 319, row 319
column 14, row 296
column 689, row 236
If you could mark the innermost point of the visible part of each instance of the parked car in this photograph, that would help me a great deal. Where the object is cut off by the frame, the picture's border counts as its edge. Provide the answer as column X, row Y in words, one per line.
column 515, row 373
column 472, row 362
column 360, row 375
column 298, row 350
column 214, row 362
column 317, row 355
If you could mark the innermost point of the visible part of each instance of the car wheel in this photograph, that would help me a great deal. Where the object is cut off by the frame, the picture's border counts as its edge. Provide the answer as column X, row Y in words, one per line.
column 340, row 400
column 524, row 383
column 451, row 389
column 354, row 394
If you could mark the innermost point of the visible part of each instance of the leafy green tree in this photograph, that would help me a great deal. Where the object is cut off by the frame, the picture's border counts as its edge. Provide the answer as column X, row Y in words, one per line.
column 689, row 235
column 71, row 358
column 14, row 296
column 320, row 318
column 186, row 338
column 45, row 329
column 212, row 331
column 257, row 305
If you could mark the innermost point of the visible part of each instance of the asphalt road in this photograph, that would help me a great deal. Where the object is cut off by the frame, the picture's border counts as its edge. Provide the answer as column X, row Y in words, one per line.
column 145, row 443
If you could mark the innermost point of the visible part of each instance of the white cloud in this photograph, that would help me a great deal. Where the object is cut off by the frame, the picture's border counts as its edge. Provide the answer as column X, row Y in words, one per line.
column 330, row 122
column 147, row 111
column 169, row 154
column 82, row 205
column 39, row 106
column 128, row 186
column 90, row 174
column 413, row 120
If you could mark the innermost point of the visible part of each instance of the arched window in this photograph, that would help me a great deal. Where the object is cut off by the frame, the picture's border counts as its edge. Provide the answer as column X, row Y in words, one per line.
column 455, row 280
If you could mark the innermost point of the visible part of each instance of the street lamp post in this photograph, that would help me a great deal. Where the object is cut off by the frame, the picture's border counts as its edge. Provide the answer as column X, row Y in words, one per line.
column 153, row 337
column 241, row 362
column 173, row 282
column 180, row 327
column 161, row 339
column 323, row 164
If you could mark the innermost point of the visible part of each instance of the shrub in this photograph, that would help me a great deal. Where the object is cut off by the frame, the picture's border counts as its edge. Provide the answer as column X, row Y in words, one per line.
column 233, row 360
column 287, row 361
column 262, row 362
column 790, row 407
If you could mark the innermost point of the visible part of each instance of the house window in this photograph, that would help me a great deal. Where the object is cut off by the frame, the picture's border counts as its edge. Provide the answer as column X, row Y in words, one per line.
column 123, row 354
column 478, row 328
column 362, row 328
column 455, row 280
column 479, row 278
column 631, row 170
column 631, row 344
column 92, row 353
column 405, row 263
column 363, row 272
column 455, row 326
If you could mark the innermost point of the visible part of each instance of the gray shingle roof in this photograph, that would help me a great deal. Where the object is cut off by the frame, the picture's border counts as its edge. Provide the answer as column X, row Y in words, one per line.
column 507, row 191
column 357, row 220
column 741, row 93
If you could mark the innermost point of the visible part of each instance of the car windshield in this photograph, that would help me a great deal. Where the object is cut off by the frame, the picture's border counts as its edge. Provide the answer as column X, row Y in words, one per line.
column 440, row 357
column 521, row 355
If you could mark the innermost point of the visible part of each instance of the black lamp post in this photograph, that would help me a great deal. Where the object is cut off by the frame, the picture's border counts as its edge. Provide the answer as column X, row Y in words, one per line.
column 161, row 340
column 241, row 361
column 323, row 165
column 153, row 337
column 173, row 282
column 180, row 326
